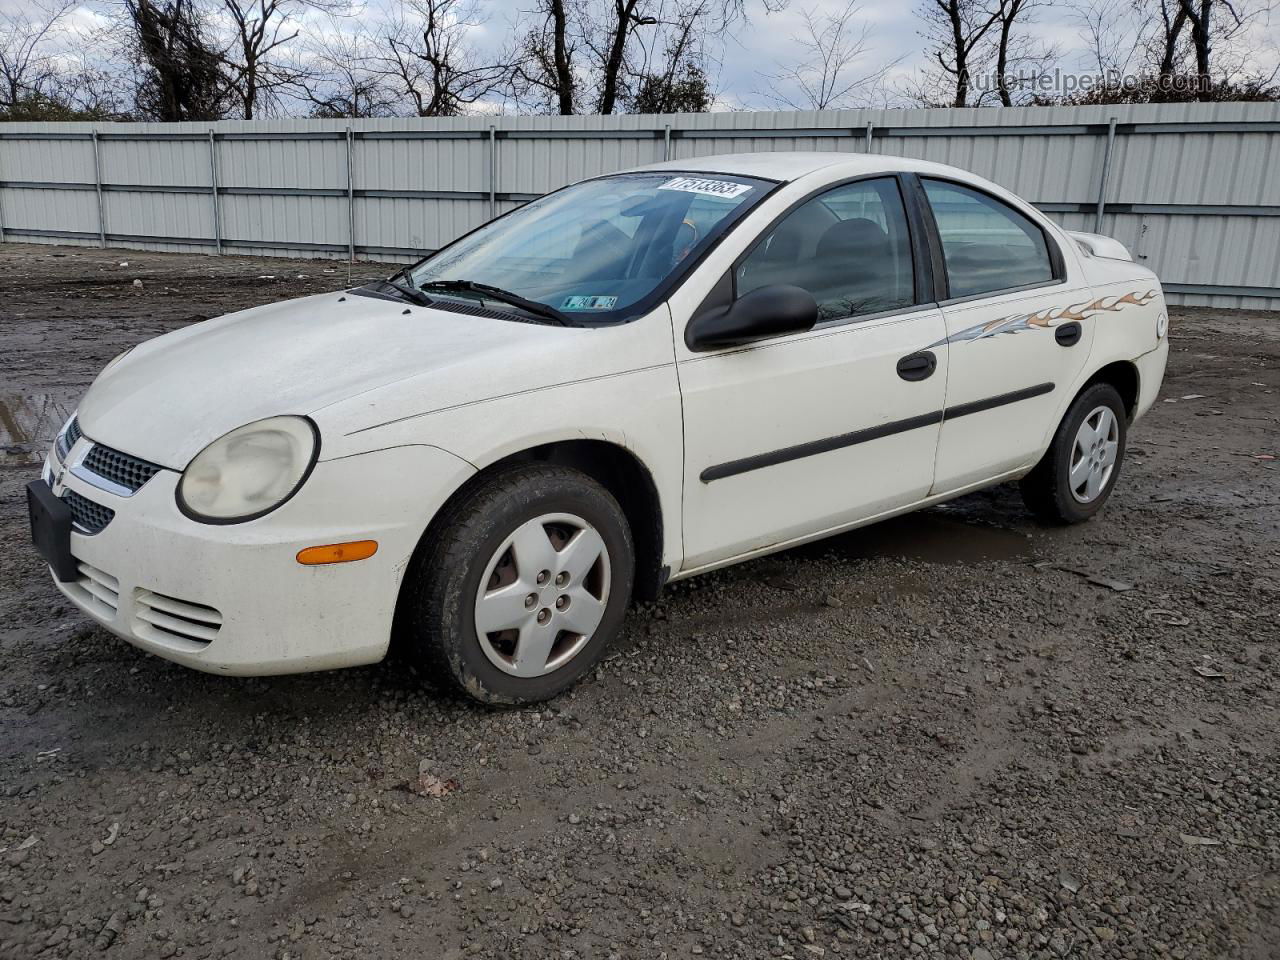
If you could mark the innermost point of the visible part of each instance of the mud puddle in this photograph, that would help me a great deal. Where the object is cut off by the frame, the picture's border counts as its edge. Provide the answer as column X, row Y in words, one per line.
column 928, row 537
column 29, row 422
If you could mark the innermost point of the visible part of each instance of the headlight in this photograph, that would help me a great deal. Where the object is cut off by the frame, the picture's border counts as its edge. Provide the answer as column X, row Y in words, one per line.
column 250, row 471
column 66, row 438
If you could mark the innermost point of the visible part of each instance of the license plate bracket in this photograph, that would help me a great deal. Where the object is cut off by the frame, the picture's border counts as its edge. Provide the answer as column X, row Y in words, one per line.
column 51, row 530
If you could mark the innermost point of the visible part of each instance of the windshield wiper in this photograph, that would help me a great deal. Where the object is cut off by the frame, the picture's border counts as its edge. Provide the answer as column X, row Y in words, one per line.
column 535, row 307
column 412, row 294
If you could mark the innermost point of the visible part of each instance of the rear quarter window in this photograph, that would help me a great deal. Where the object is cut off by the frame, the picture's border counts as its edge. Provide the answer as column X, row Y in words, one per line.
column 987, row 245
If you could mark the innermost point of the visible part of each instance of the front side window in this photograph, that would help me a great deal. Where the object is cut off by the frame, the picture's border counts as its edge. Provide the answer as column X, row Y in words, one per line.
column 597, row 250
column 987, row 245
column 849, row 247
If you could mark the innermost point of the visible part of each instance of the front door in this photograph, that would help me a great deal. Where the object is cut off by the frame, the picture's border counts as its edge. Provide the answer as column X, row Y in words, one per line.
column 797, row 435
column 1018, row 330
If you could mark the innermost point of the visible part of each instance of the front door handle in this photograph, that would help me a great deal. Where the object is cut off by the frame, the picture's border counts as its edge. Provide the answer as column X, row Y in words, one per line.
column 1068, row 334
column 918, row 366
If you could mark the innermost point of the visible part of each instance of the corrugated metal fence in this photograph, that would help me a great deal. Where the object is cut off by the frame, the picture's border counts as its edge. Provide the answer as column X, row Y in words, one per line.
column 1192, row 189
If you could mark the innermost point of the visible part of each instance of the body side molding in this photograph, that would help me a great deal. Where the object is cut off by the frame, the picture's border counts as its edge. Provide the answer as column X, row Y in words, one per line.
column 999, row 400
column 772, row 458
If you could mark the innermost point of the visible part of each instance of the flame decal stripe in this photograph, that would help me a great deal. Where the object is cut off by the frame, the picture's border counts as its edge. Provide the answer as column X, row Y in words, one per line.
column 1049, row 318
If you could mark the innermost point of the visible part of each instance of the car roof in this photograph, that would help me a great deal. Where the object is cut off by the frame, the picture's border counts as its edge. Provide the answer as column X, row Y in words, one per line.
column 794, row 165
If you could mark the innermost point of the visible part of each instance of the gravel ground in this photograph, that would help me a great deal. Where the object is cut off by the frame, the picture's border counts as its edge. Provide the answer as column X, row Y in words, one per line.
column 957, row 734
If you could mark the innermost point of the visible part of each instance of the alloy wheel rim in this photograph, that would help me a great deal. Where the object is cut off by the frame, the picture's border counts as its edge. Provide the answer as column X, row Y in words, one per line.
column 1093, row 455
column 543, row 594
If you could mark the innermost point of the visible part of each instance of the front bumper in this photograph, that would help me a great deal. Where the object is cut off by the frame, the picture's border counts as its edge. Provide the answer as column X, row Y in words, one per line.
column 232, row 598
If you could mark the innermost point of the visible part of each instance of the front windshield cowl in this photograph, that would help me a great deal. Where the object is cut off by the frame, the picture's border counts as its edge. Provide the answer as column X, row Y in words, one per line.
column 601, row 251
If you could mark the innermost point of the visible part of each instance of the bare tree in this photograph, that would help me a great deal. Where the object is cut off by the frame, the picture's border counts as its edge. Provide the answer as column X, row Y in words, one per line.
column 1016, row 50
column 180, row 71
column 1125, row 37
column 544, row 71
column 828, row 71
column 91, row 86
column 1106, row 30
column 343, row 75
column 1213, row 27
column 428, row 58
column 625, row 17
column 651, row 42
column 47, row 71
column 1174, row 50
column 1173, row 17
column 257, row 56
column 1199, row 14
column 630, row 51
column 27, row 65
column 676, row 80
column 956, row 30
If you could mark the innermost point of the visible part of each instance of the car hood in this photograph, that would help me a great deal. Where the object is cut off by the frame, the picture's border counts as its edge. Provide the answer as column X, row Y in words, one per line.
column 170, row 397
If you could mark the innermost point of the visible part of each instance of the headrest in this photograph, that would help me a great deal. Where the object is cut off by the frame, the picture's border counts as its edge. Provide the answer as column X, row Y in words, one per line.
column 856, row 236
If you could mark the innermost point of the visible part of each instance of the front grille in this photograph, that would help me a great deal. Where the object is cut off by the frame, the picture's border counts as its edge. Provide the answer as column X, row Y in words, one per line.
column 90, row 517
column 179, row 622
column 96, row 590
column 67, row 439
column 120, row 468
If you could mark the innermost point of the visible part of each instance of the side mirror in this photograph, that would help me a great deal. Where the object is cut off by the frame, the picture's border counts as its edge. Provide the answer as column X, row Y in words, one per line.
column 764, row 312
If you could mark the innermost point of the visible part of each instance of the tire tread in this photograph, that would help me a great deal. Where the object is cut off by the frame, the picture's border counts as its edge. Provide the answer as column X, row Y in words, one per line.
column 449, row 544
column 1044, row 490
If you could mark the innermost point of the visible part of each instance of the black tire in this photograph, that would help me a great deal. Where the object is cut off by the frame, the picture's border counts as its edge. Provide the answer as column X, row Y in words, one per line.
column 1046, row 490
column 436, row 616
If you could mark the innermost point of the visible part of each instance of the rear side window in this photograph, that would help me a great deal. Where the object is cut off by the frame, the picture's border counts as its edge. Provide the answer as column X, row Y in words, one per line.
column 849, row 247
column 988, row 246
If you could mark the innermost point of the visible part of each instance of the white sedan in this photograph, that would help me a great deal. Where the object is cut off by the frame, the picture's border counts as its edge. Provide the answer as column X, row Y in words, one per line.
column 632, row 380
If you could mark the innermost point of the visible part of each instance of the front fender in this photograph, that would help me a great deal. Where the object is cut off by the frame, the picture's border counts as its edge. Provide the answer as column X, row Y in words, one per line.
column 639, row 411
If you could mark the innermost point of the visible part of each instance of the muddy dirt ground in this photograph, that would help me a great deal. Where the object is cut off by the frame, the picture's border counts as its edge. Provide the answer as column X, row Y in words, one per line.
column 958, row 734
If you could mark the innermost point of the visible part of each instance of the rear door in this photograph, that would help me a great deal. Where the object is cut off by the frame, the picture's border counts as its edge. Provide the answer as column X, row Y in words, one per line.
column 793, row 436
column 1017, row 329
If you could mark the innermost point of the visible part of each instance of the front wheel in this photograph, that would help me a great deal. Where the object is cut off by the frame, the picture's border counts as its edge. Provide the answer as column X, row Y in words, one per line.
column 1078, row 472
column 522, row 586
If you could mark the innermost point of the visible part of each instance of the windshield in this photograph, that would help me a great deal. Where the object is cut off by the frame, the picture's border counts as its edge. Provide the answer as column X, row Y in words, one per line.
column 596, row 251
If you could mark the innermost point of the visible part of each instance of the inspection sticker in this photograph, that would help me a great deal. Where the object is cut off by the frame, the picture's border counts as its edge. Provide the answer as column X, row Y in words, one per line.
column 588, row 303
column 712, row 188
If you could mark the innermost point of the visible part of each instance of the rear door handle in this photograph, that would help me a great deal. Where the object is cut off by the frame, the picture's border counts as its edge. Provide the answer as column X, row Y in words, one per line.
column 918, row 366
column 1068, row 334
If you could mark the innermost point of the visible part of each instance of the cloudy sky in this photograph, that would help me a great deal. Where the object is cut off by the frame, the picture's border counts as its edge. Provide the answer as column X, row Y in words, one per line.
column 745, row 64
column 896, row 35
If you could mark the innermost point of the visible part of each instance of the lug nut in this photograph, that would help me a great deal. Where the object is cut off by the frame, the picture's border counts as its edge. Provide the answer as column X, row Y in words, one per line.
column 544, row 615
column 561, row 579
column 543, row 577
column 562, row 603
column 530, row 600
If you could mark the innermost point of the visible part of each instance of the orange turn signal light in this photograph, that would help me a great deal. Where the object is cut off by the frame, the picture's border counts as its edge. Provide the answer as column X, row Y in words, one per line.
column 338, row 552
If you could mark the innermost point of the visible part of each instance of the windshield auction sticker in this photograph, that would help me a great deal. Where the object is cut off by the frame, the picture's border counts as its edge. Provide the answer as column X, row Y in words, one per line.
column 712, row 188
column 588, row 303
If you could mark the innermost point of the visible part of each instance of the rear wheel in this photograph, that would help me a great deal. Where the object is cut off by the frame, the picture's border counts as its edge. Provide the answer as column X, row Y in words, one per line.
column 1079, row 470
column 522, row 587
